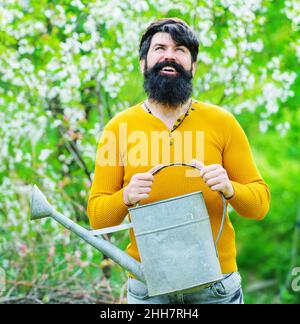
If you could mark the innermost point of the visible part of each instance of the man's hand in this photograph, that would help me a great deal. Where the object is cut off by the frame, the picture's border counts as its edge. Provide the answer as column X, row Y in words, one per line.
column 139, row 187
column 216, row 177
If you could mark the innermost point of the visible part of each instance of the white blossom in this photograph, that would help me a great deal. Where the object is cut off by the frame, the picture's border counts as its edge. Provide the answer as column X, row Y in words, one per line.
column 44, row 155
column 264, row 125
column 292, row 10
column 283, row 128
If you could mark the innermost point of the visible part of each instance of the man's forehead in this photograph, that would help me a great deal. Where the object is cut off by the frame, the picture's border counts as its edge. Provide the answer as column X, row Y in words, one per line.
column 162, row 38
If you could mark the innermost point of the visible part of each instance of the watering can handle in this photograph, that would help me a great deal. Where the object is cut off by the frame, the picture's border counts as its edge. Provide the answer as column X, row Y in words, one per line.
column 128, row 226
column 222, row 196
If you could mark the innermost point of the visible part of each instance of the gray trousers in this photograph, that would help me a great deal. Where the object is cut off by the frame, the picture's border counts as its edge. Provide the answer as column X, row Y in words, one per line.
column 226, row 291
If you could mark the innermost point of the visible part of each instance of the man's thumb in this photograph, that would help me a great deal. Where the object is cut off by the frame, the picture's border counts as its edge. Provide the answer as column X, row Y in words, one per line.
column 155, row 169
column 198, row 164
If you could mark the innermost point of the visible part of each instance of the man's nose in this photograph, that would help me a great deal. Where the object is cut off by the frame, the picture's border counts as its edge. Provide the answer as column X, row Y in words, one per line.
column 170, row 55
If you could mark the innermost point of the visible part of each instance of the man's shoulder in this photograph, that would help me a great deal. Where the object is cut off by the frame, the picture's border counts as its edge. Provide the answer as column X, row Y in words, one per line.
column 213, row 112
column 127, row 115
column 211, row 108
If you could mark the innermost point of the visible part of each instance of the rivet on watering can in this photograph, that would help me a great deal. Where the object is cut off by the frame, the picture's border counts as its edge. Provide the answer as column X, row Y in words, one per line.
column 190, row 216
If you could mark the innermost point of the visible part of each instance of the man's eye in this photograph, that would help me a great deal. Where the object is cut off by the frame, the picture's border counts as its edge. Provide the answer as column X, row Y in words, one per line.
column 180, row 49
column 159, row 47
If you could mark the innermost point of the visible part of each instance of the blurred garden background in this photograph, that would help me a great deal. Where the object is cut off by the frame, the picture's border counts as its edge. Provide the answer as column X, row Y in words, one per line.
column 68, row 66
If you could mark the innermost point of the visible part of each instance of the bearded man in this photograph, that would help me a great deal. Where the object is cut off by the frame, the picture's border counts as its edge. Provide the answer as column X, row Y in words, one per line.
column 168, row 128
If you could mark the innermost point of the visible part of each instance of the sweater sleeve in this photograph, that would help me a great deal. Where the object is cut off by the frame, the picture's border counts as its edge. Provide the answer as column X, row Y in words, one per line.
column 251, row 194
column 105, row 204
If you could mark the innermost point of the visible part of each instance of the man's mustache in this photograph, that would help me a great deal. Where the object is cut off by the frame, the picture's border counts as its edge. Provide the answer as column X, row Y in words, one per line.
column 159, row 66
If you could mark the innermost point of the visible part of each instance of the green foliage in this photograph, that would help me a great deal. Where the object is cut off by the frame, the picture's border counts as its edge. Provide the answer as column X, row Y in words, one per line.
column 67, row 67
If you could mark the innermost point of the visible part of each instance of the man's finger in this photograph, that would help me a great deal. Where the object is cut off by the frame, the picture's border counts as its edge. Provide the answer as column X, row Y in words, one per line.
column 211, row 174
column 144, row 176
column 209, row 168
column 215, row 181
column 198, row 164
column 145, row 183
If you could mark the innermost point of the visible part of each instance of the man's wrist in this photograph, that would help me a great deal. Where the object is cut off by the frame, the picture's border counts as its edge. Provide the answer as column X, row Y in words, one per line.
column 230, row 194
column 128, row 204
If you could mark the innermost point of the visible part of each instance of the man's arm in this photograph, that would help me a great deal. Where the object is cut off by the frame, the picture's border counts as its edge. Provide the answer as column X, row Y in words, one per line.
column 251, row 197
column 109, row 200
column 238, row 178
column 105, row 204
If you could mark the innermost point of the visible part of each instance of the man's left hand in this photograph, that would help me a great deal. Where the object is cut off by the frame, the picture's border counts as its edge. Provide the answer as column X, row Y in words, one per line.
column 215, row 177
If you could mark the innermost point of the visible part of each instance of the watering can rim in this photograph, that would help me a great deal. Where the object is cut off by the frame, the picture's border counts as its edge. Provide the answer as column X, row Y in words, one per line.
column 166, row 200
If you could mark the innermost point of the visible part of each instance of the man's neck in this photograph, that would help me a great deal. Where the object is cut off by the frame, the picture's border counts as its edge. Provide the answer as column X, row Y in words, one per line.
column 167, row 111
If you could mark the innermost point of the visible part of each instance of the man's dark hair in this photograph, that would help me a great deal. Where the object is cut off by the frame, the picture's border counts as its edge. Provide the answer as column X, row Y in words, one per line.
column 180, row 32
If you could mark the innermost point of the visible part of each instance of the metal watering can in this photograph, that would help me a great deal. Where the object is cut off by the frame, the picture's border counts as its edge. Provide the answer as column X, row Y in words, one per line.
column 174, row 239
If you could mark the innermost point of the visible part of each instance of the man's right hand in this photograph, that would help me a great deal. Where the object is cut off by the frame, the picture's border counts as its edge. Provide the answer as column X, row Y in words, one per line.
column 139, row 187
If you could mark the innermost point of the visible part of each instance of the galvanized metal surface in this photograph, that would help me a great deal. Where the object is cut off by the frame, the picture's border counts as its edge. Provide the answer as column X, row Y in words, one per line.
column 176, row 244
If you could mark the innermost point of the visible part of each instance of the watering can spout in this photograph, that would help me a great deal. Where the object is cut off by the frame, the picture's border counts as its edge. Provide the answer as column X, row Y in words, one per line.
column 41, row 208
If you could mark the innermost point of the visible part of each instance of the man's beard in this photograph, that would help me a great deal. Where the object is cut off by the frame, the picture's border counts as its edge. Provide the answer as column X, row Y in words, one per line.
column 170, row 90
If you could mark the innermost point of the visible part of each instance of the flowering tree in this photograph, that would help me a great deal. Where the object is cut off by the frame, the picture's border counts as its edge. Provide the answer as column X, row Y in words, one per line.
column 67, row 67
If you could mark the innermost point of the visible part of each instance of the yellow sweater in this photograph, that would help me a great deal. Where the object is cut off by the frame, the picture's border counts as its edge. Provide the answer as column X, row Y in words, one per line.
column 134, row 141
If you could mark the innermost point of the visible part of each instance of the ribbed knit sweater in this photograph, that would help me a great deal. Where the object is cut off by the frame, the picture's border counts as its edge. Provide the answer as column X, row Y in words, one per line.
column 134, row 141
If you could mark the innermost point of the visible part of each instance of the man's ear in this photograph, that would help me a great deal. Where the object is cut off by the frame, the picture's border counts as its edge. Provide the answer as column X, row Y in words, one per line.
column 142, row 65
column 194, row 68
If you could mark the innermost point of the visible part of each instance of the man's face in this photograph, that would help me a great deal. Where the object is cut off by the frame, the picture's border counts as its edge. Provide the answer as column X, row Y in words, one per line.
column 168, row 71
